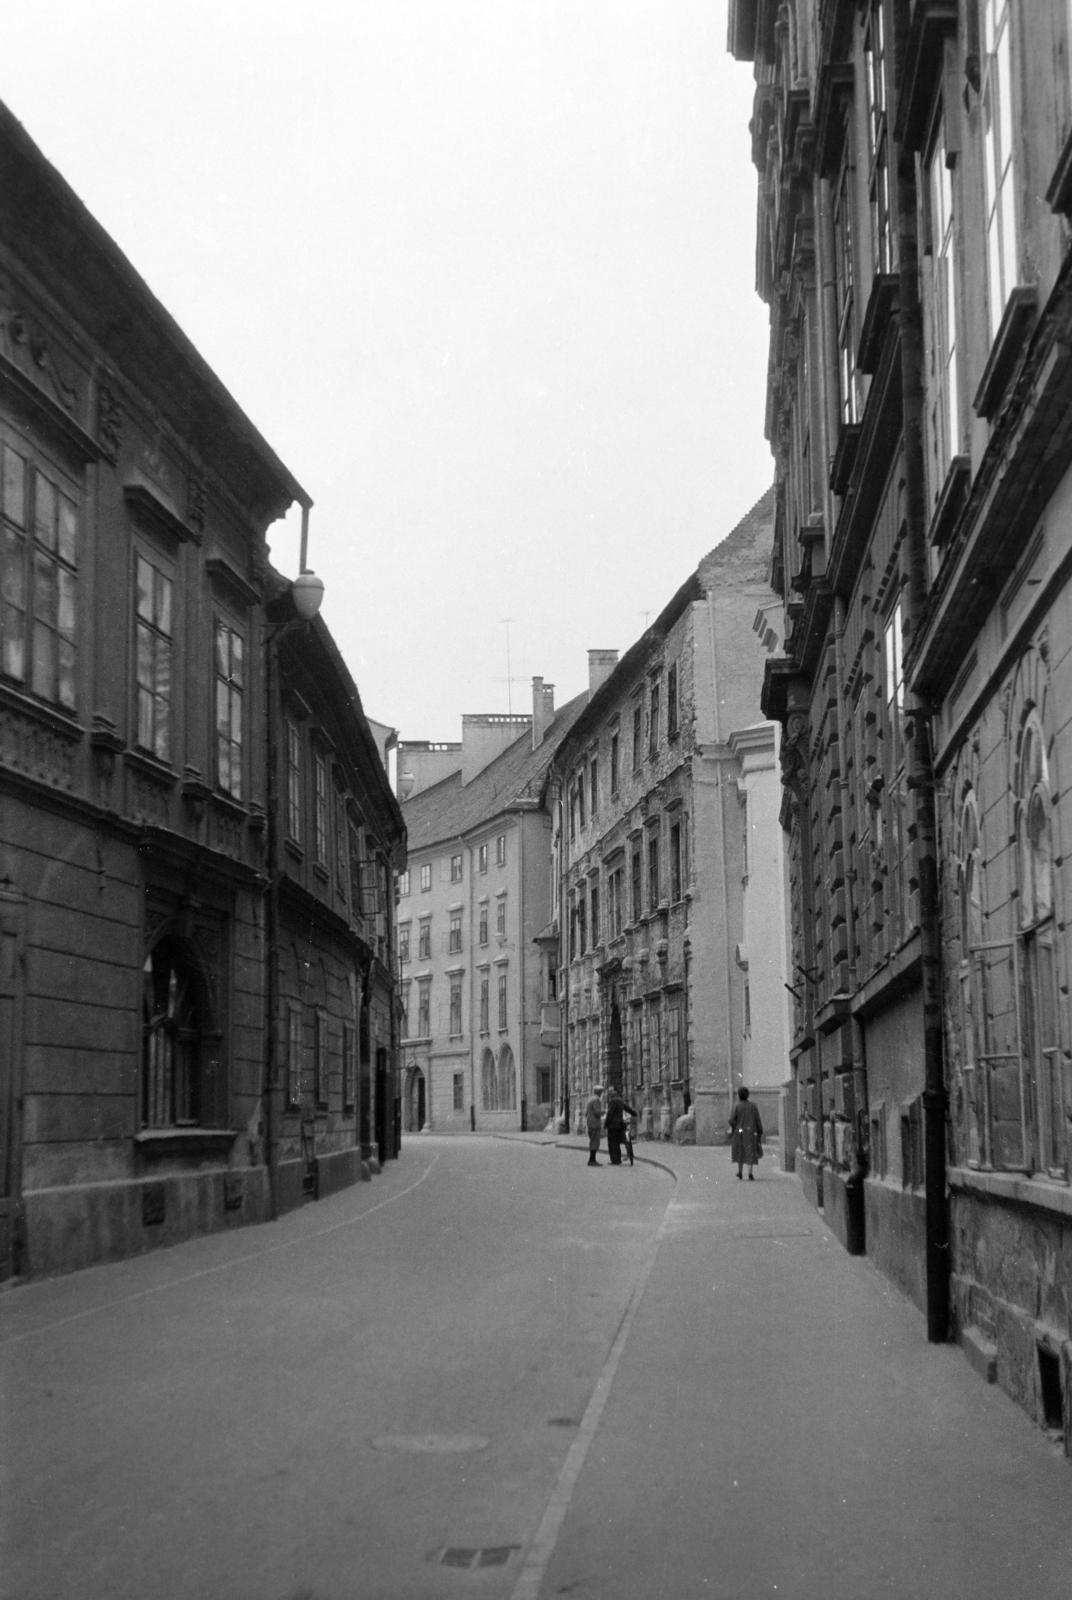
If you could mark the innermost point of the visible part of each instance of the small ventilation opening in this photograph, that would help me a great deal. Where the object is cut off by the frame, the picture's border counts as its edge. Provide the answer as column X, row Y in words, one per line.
column 1050, row 1384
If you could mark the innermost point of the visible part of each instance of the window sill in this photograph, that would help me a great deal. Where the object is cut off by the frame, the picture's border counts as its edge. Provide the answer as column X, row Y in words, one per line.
column 151, row 766
column 1044, row 1194
column 844, row 456
column 1005, row 350
column 293, row 848
column 156, row 1142
column 882, row 306
column 950, row 500
column 1059, row 193
column 320, row 871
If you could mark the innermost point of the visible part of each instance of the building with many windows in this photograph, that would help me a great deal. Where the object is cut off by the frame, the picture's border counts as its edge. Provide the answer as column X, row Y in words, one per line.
column 915, row 167
column 475, row 894
column 668, row 929
column 141, row 1079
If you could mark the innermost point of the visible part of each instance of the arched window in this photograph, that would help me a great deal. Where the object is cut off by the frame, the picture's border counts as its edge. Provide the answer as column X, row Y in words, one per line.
column 489, row 1085
column 173, row 1023
column 507, row 1080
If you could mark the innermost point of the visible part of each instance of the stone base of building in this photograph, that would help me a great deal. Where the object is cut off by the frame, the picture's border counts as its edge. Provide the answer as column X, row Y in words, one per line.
column 83, row 1225
column 335, row 1170
column 811, row 1179
column 897, row 1237
column 843, row 1208
column 711, row 1116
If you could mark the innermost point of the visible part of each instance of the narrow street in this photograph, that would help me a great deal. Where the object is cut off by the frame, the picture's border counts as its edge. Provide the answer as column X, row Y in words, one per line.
column 495, row 1372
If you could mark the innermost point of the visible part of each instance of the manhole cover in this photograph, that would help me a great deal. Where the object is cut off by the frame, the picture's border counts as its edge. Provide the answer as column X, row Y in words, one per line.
column 464, row 1556
column 431, row 1444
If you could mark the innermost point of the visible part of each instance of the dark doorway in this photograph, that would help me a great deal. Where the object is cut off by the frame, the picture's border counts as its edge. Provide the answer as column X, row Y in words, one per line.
column 614, row 1048
column 383, row 1106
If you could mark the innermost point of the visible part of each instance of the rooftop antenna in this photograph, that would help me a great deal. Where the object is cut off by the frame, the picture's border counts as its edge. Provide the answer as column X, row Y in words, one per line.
column 506, row 621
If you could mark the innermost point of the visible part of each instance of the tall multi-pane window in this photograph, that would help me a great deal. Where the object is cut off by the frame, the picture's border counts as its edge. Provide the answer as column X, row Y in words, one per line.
column 653, row 872
column 426, row 877
column 671, row 701
column 593, row 785
column 483, row 933
column 675, row 862
column 320, row 809
column 154, row 659
column 424, row 944
column 894, row 776
column 943, row 405
column 363, row 896
column 653, row 721
column 485, row 1021
column 582, row 920
column 424, row 1009
column 294, row 808
column 320, row 1038
column 1002, row 247
column 405, row 1010
column 883, row 239
column 456, row 869
column 580, row 798
column 38, row 564
column 230, row 682
column 342, row 858
column 481, row 859
column 655, row 1041
column 403, row 884
column 638, row 909
column 1044, row 1089
column 638, row 736
column 614, row 763
column 844, row 289
column 673, row 1043
column 403, row 944
column 500, row 850
column 454, row 934
column 593, row 896
column 455, row 1006
column 502, row 997
column 294, row 1055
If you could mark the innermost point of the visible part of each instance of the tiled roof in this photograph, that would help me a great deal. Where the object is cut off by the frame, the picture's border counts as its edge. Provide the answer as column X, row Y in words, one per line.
column 515, row 778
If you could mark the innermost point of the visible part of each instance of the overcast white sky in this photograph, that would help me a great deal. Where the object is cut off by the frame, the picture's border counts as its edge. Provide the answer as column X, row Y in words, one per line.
column 481, row 271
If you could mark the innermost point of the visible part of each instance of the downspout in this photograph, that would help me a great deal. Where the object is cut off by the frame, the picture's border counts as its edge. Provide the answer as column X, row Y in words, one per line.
column 271, row 931
column 919, row 746
column 472, row 997
column 723, row 879
column 522, row 1037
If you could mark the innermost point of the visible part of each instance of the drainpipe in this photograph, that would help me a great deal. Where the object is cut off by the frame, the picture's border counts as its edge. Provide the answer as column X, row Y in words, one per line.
column 271, row 930
column 919, row 748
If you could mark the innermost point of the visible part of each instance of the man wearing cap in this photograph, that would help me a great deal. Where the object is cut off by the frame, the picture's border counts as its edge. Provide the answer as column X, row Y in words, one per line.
column 593, row 1120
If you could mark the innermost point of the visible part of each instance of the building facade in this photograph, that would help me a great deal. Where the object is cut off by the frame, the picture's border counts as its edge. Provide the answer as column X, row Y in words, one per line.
column 914, row 250
column 668, row 859
column 475, row 894
column 135, row 812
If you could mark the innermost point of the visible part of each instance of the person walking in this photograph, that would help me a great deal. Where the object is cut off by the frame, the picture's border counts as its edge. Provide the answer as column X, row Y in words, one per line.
column 616, row 1130
column 746, row 1128
column 593, row 1121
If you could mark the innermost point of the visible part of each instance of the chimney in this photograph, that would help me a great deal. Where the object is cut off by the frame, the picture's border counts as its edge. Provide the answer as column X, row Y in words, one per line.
column 543, row 710
column 601, row 663
column 486, row 736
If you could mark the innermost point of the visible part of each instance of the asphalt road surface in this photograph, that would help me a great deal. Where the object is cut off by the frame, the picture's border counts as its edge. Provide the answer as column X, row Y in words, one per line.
column 493, row 1372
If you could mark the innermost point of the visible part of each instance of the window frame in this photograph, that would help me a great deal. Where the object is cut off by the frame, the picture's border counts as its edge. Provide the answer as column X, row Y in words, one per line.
column 28, row 548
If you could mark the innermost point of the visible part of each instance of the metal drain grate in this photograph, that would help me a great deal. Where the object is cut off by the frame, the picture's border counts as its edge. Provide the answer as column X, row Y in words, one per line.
column 563, row 1422
column 491, row 1555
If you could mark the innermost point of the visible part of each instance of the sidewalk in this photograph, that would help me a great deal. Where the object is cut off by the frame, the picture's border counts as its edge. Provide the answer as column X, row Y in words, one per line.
column 778, row 1424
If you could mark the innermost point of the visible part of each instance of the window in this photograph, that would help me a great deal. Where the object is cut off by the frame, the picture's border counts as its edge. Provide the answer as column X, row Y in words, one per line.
column 614, row 763
column 844, row 277
column 638, row 736
column 500, row 850
column 403, row 884
column 653, row 721
column 498, row 1084
column 1044, row 1091
column 636, row 1047
column 943, row 406
column 403, row 944
column 675, row 862
column 424, row 942
column 459, row 1091
column 38, row 559
column 294, row 1056
column 614, row 904
column 363, row 900
column 580, row 797
column 320, row 1043
column 483, row 933
column 638, row 909
column 582, row 921
column 482, row 858
column 593, row 785
column 485, row 1022
column 171, row 1039
column 502, row 998
column 455, row 1006
column 320, row 811
column 500, row 918
column 593, row 897
column 1002, row 249
column 673, row 1044
column 229, row 685
column 655, row 1042
column 455, row 869
column 154, row 660
column 653, row 872
column 293, row 781
column 883, row 240
column 543, row 1085
column 426, row 877
column 342, row 859
column 895, row 780
column 573, row 814
column 405, row 1010
column 454, row 940
column 349, row 1066
column 424, row 1009
column 671, row 701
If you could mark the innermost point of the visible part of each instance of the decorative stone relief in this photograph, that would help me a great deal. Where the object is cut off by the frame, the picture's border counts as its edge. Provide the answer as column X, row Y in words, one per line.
column 196, row 505
column 224, row 832
column 148, row 798
column 109, row 422
column 40, row 751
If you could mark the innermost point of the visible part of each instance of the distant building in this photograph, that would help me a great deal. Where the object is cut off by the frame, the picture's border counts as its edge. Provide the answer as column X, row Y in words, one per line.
column 475, row 893
column 669, row 927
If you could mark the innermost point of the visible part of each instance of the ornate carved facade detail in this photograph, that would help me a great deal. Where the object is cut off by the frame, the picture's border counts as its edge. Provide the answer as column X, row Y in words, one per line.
column 39, row 751
column 196, row 505
column 109, row 422
column 148, row 797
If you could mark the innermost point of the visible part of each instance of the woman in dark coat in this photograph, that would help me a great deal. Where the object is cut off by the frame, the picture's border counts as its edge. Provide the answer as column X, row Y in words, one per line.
column 746, row 1127
column 615, row 1124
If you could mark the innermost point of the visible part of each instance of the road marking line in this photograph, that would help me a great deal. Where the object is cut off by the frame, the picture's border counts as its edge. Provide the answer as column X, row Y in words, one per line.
column 220, row 1266
column 542, row 1547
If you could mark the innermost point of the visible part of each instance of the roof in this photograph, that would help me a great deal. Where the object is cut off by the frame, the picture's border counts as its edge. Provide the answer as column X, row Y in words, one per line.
column 513, row 781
